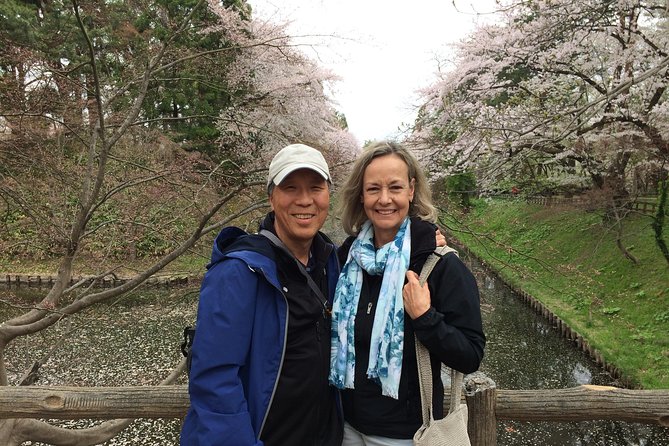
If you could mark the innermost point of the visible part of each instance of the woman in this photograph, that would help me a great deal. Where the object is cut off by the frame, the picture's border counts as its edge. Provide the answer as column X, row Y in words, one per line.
column 386, row 208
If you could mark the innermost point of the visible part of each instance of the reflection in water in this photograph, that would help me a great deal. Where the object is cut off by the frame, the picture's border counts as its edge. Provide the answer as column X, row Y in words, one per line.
column 582, row 374
column 525, row 352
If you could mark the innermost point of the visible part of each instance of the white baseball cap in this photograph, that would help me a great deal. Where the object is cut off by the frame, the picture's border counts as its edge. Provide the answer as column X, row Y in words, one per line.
column 294, row 157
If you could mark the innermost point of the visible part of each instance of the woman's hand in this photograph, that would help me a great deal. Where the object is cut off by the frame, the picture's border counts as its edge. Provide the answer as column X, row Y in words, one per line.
column 441, row 240
column 416, row 297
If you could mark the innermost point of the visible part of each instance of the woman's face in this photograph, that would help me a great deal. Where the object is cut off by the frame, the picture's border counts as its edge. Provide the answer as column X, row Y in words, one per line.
column 387, row 192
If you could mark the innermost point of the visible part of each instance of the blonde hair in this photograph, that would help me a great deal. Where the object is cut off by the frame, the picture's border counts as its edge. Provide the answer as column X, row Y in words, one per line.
column 350, row 207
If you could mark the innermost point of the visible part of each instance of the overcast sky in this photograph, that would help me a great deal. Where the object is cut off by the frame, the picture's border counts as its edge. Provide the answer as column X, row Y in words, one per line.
column 385, row 51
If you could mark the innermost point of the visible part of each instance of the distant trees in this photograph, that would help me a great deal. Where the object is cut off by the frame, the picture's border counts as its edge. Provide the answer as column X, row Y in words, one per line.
column 286, row 101
column 572, row 90
column 557, row 86
column 136, row 128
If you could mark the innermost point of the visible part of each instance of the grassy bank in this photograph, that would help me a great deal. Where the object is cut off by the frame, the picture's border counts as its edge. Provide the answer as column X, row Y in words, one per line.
column 568, row 259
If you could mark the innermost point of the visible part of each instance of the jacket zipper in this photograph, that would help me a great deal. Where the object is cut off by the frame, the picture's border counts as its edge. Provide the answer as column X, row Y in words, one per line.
column 327, row 311
column 283, row 350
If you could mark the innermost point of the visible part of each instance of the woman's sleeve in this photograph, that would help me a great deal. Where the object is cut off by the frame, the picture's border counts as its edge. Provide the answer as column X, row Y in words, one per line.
column 342, row 251
column 452, row 329
column 224, row 330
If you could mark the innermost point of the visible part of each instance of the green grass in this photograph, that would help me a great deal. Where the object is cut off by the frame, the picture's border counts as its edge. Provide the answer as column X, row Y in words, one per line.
column 568, row 259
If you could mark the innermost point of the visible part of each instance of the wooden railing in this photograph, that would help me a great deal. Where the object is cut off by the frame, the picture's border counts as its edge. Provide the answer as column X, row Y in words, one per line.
column 644, row 205
column 486, row 404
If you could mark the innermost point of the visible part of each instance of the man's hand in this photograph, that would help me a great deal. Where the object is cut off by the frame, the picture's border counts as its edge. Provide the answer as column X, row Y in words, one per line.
column 416, row 297
column 441, row 240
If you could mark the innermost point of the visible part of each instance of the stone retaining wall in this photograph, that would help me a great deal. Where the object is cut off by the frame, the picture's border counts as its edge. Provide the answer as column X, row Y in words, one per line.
column 11, row 280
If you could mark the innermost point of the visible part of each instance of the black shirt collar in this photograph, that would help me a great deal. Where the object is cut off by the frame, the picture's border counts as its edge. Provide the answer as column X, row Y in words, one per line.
column 320, row 247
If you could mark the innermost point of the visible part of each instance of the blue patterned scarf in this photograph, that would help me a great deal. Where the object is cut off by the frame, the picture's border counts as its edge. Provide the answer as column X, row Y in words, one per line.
column 387, row 345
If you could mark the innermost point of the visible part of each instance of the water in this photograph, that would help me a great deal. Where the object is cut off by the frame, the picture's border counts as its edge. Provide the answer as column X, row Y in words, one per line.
column 525, row 352
column 130, row 342
column 135, row 341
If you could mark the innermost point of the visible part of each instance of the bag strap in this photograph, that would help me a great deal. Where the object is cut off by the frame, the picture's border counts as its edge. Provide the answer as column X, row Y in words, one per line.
column 276, row 241
column 423, row 355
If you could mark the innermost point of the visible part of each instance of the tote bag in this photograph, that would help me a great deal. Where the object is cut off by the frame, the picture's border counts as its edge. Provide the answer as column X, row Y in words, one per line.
column 452, row 429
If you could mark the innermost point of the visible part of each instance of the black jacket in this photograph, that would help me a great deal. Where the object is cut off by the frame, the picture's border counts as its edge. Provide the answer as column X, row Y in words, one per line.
column 451, row 330
column 305, row 366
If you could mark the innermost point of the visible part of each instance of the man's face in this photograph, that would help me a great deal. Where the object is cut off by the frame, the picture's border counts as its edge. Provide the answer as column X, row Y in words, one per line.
column 300, row 204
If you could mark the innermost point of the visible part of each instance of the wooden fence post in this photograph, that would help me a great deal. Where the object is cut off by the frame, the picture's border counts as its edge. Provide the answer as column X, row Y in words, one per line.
column 481, row 396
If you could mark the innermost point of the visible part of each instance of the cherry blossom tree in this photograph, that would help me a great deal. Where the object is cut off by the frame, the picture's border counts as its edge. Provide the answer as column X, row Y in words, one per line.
column 556, row 85
column 289, row 103
column 577, row 89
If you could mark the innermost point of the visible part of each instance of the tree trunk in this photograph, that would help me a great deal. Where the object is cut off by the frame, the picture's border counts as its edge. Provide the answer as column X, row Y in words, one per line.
column 658, row 220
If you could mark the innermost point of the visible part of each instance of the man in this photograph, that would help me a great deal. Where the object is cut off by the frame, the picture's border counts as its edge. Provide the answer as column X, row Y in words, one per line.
column 262, row 349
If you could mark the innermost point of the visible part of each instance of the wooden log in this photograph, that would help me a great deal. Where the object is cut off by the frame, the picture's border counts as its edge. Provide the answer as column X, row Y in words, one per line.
column 585, row 403
column 94, row 402
column 481, row 396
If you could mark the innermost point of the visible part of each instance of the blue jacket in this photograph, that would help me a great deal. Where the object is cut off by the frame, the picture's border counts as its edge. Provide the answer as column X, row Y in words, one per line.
column 239, row 346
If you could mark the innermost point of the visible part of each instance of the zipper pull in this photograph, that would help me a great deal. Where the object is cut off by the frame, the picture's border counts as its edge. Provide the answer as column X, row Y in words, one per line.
column 369, row 308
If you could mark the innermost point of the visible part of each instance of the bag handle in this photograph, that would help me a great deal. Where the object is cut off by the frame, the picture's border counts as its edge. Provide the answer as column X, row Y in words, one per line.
column 423, row 355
